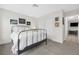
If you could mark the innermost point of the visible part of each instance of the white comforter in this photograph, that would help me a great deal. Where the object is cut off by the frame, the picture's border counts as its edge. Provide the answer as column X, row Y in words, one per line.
column 23, row 38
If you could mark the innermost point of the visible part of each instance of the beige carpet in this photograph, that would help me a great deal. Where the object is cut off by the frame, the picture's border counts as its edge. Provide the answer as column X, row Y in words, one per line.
column 52, row 48
column 72, row 39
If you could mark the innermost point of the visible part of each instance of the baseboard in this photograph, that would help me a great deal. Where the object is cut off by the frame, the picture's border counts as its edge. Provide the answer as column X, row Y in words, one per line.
column 4, row 42
column 61, row 42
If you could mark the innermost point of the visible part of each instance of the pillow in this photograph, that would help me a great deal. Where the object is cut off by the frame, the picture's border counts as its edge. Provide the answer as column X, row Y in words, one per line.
column 20, row 28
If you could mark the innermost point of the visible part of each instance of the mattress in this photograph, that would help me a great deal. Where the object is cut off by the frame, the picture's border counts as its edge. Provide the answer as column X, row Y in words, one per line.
column 26, row 38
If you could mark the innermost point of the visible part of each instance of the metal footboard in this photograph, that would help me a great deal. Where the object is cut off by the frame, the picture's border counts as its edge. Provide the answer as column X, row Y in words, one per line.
column 44, row 33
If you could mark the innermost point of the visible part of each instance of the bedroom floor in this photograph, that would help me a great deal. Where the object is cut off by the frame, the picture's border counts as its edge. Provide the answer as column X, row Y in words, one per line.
column 52, row 48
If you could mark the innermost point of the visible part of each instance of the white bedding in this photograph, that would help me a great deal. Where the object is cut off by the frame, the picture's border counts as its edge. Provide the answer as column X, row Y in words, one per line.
column 23, row 38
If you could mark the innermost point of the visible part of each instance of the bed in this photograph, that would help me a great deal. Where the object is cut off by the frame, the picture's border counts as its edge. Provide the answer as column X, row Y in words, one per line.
column 26, row 39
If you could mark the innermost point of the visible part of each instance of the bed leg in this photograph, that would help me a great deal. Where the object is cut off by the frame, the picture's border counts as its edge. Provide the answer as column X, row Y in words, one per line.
column 18, row 46
column 18, row 52
column 46, row 37
column 46, row 42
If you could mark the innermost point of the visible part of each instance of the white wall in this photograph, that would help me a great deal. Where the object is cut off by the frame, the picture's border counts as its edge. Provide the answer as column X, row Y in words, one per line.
column 5, row 17
column 72, row 13
column 66, row 27
column 0, row 23
column 48, row 22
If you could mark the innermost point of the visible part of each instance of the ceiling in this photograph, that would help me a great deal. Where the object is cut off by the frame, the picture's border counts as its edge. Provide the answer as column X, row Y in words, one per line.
column 30, row 10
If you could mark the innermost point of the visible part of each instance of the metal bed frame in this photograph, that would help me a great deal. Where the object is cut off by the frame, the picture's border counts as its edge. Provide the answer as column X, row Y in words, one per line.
column 34, row 44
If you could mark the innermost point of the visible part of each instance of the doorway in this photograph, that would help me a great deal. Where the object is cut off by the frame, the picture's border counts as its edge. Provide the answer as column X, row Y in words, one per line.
column 71, row 29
